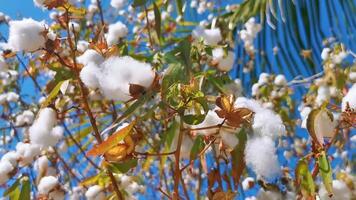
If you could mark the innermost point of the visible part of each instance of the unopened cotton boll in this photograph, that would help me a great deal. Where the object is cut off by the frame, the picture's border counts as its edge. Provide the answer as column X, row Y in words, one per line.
column 225, row 62
column 27, row 152
column 95, row 193
column 323, row 125
column 118, row 4
column 210, row 36
column 349, row 98
column 280, row 80
column 47, row 184
column 115, row 32
column 25, row 35
column 260, row 154
column 340, row 191
column 117, row 73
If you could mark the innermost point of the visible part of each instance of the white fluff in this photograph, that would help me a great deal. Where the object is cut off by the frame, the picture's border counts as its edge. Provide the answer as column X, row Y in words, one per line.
column 350, row 98
column 95, row 193
column 268, row 123
column 340, row 191
column 118, row 4
column 280, row 80
column 247, row 183
column 211, row 119
column 89, row 75
column 89, row 56
column 47, row 184
column 260, row 154
column 229, row 138
column 325, row 53
column 115, row 32
column 225, row 62
column 323, row 95
column 27, row 152
column 26, row 117
column 249, row 33
column 5, row 169
column 25, row 35
column 12, row 97
column 43, row 132
column 119, row 72
column 11, row 157
column 210, row 36
column 304, row 115
column 41, row 164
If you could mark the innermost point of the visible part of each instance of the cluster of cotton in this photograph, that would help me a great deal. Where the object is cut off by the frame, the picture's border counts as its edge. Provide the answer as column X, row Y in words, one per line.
column 201, row 6
column 115, row 32
column 209, row 36
column 225, row 60
column 43, row 131
column 335, row 58
column 9, row 97
column 41, row 165
column 130, row 185
column 114, row 76
column 349, row 98
column 49, row 186
column 8, row 76
column 7, row 165
column 249, row 34
column 279, row 81
column 27, row 152
column 25, row 118
column 118, row 4
column 212, row 119
column 340, row 191
column 95, row 192
column 26, row 35
column 260, row 154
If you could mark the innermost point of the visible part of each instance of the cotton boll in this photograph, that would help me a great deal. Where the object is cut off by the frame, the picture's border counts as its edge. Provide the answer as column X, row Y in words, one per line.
column 116, row 31
column 243, row 102
column 47, row 118
column 338, row 58
column 5, row 169
column 11, row 157
column 267, row 123
column 211, row 119
column 280, row 80
column 41, row 164
column 323, row 126
column 26, row 117
column 47, row 184
column 133, row 188
column 260, row 154
column 119, row 72
column 349, row 98
column 225, row 62
column 323, row 95
column 255, row 89
column 125, row 180
column 57, row 195
column 325, row 53
column 263, row 78
column 89, row 75
column 304, row 115
column 12, row 97
column 210, row 36
column 95, row 193
column 229, row 139
column 89, row 56
column 248, row 183
column 25, row 35
column 340, row 191
column 118, row 4
column 27, row 152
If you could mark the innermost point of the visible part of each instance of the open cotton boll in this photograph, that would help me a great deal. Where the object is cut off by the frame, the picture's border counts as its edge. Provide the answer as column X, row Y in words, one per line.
column 248, row 183
column 26, row 117
column 89, row 75
column 304, row 115
column 229, row 139
column 117, row 73
column 27, row 152
column 47, row 184
column 5, row 169
column 225, row 62
column 12, row 97
column 340, row 191
column 210, row 36
column 280, row 80
column 243, row 102
column 325, row 53
column 260, row 155
column 25, row 35
column 115, row 32
column 349, row 98
column 11, row 157
column 323, row 95
column 211, row 119
column 118, row 4
column 267, row 123
column 89, row 56
column 47, row 117
column 95, row 193
column 41, row 164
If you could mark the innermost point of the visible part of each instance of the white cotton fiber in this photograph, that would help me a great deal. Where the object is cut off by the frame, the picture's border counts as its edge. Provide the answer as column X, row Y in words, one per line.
column 210, row 36
column 5, row 169
column 27, row 152
column 47, row 184
column 115, row 32
column 89, row 75
column 261, row 156
column 225, row 62
column 267, row 123
column 11, row 157
column 89, row 56
column 350, row 98
column 95, row 193
column 118, row 4
column 25, row 35
column 340, row 191
column 211, row 119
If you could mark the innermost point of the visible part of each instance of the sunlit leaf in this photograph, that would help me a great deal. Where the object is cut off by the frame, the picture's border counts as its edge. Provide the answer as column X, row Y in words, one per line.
column 53, row 94
column 304, row 179
column 25, row 189
column 326, row 172
column 123, row 167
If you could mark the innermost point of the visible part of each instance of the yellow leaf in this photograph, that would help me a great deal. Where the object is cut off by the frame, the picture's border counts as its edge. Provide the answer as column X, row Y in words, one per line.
column 53, row 94
column 113, row 140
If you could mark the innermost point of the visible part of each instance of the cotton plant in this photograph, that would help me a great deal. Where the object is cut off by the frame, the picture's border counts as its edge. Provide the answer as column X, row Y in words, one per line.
column 131, row 96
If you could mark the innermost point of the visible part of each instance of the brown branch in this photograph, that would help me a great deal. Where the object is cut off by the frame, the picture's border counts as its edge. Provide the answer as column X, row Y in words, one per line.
column 177, row 171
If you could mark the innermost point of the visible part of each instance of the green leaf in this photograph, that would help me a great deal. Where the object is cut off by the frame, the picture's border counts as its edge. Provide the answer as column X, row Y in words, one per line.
column 193, row 119
column 157, row 20
column 13, row 189
column 123, row 167
column 53, row 94
column 179, row 7
column 326, row 172
column 198, row 146
column 137, row 3
column 304, row 179
column 26, row 189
